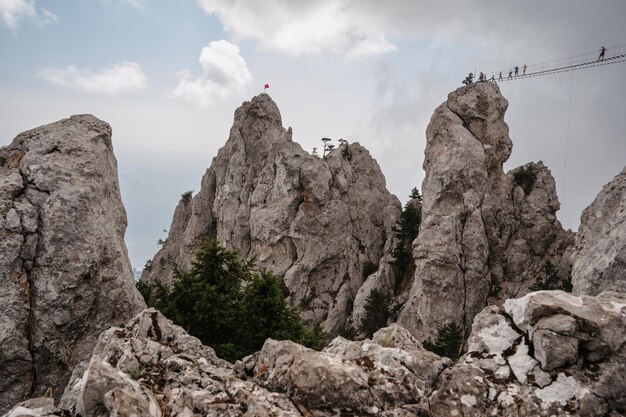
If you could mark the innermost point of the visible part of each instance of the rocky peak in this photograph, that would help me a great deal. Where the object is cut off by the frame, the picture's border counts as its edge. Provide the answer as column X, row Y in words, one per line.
column 64, row 269
column 483, row 236
column 481, row 107
column 323, row 224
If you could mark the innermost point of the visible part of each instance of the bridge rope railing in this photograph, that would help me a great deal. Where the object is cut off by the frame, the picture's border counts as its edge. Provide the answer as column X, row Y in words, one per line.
column 612, row 55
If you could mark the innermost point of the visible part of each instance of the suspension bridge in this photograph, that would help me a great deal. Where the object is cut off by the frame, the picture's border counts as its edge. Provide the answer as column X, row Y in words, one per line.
column 612, row 55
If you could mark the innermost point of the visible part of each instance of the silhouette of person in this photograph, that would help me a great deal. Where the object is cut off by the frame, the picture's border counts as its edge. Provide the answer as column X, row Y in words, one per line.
column 510, row 74
column 516, row 71
column 602, row 51
column 500, row 76
column 524, row 70
column 481, row 77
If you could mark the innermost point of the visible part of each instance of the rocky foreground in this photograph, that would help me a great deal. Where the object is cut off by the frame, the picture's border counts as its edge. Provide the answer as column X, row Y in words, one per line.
column 547, row 354
column 76, row 339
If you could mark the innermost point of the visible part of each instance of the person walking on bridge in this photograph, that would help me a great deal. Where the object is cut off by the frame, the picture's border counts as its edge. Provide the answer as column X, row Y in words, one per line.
column 602, row 51
column 524, row 70
column 510, row 74
column 516, row 71
column 500, row 76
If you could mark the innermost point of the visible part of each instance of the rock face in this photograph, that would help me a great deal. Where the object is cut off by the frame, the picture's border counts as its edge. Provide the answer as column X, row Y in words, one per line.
column 600, row 256
column 64, row 269
column 485, row 235
column 151, row 367
column 323, row 224
column 390, row 375
column 548, row 353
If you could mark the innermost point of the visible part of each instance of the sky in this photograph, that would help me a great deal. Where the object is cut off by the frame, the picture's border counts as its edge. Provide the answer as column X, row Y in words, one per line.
column 168, row 76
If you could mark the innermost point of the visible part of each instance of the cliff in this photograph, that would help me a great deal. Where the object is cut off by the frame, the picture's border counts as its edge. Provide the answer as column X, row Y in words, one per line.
column 64, row 271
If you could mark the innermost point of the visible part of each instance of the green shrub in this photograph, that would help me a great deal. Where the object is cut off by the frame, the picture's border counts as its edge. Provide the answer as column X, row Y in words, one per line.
column 369, row 268
column 348, row 331
column 448, row 341
column 186, row 196
column 376, row 312
column 228, row 305
column 525, row 177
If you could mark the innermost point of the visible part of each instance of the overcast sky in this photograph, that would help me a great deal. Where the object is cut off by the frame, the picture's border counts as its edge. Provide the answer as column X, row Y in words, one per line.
column 168, row 75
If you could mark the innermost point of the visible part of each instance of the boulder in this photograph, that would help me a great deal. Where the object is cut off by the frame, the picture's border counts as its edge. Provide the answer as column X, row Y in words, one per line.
column 64, row 269
column 575, row 367
column 151, row 367
column 600, row 254
column 386, row 375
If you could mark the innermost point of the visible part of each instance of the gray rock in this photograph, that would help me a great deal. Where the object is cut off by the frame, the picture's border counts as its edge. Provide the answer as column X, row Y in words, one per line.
column 363, row 377
column 600, row 255
column 479, row 384
column 323, row 224
column 64, row 269
column 36, row 407
column 152, row 367
column 483, row 238
column 554, row 350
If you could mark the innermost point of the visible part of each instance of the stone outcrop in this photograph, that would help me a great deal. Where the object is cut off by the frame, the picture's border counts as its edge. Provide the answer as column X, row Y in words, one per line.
column 323, row 224
column 390, row 375
column 485, row 235
column 152, row 367
column 64, row 269
column 600, row 254
column 548, row 353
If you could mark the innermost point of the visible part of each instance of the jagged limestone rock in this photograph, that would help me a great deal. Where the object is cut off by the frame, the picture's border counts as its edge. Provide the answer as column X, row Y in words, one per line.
column 483, row 238
column 600, row 256
column 151, row 367
column 323, row 224
column 64, row 269
column 498, row 375
column 386, row 374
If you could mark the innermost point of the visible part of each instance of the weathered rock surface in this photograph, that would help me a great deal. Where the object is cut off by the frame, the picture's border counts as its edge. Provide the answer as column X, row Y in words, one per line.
column 482, row 237
column 64, row 269
column 152, row 367
column 600, row 255
column 509, row 370
column 323, row 224
column 389, row 375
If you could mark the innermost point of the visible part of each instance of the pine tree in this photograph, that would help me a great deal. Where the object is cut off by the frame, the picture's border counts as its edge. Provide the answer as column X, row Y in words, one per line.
column 228, row 305
column 448, row 341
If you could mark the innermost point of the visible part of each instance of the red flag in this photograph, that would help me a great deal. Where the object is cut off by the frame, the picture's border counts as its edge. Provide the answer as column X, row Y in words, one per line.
column 266, row 86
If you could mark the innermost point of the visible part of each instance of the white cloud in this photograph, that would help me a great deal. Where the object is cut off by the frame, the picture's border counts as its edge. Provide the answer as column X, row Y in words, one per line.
column 13, row 11
column 298, row 28
column 120, row 78
column 225, row 73
column 48, row 16
column 137, row 4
